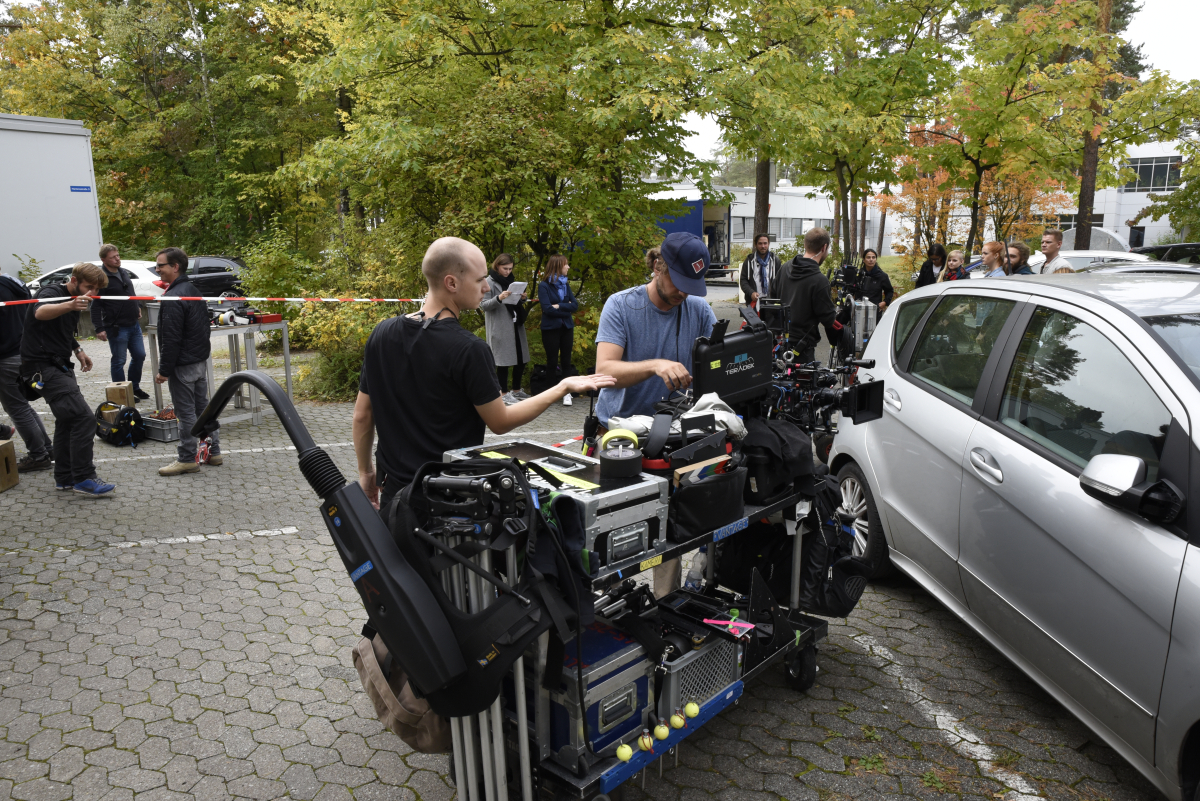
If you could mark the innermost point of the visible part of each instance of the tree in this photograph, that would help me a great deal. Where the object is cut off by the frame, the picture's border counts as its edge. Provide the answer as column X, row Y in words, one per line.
column 1017, row 205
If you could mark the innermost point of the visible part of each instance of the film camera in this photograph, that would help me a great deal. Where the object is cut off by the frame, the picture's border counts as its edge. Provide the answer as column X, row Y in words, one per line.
column 756, row 370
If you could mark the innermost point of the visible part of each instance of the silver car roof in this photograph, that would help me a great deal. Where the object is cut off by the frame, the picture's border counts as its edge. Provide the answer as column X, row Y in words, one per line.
column 1142, row 294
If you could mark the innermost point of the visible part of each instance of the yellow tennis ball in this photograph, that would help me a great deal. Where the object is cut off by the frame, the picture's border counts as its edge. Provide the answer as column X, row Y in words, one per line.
column 646, row 742
column 661, row 732
column 624, row 752
column 677, row 721
column 692, row 709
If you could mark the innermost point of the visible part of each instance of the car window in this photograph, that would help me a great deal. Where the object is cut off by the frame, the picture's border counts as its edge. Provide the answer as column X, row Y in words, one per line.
column 907, row 317
column 1182, row 334
column 956, row 342
column 1072, row 391
column 1079, row 262
column 210, row 266
column 58, row 277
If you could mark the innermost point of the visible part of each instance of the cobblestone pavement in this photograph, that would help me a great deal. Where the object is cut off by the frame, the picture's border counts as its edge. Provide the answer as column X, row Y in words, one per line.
column 190, row 638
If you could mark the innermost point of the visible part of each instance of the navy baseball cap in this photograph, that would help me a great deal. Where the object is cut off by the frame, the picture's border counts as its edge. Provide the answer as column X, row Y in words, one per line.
column 687, row 258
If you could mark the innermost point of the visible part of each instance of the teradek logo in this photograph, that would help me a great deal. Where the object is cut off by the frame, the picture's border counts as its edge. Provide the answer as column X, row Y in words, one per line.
column 740, row 363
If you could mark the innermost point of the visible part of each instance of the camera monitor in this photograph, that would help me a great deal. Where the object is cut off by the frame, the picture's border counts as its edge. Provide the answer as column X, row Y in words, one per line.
column 735, row 366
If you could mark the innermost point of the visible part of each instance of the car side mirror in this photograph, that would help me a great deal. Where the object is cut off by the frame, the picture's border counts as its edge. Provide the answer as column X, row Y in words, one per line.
column 1120, row 480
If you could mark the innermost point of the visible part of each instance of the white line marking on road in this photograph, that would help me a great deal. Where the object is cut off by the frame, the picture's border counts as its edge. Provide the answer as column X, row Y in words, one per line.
column 195, row 538
column 962, row 738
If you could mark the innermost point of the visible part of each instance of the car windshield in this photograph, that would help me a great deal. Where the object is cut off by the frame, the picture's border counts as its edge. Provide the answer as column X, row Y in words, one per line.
column 1182, row 333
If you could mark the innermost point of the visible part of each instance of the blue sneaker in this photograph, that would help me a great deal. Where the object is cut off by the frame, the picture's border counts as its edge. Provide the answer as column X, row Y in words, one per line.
column 94, row 488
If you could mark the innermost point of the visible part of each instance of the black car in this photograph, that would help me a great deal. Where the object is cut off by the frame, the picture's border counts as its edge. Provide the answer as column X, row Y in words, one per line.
column 215, row 275
column 1182, row 253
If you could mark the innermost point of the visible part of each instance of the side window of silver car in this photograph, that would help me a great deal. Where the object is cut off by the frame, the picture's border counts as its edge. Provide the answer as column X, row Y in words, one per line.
column 907, row 318
column 1073, row 392
column 955, row 343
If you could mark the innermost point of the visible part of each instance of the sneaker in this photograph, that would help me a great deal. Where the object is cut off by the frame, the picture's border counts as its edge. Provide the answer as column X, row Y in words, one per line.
column 140, row 394
column 520, row 395
column 567, row 399
column 176, row 468
column 509, row 398
column 64, row 487
column 215, row 459
column 28, row 464
column 94, row 488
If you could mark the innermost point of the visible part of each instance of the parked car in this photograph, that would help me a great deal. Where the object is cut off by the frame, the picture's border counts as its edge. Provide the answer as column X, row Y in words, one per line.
column 144, row 276
column 1036, row 471
column 1144, row 267
column 1184, row 252
column 1078, row 259
column 216, row 275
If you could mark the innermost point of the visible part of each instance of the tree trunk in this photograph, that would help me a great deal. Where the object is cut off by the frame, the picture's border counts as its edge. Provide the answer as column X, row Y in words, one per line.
column 837, row 221
column 975, row 191
column 762, row 196
column 343, row 101
column 844, row 208
column 882, row 220
column 852, row 243
column 1091, row 155
column 862, row 227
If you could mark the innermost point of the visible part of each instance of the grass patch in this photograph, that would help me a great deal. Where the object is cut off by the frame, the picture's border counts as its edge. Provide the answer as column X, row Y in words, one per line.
column 943, row 780
column 870, row 734
column 871, row 764
column 1007, row 758
column 844, row 708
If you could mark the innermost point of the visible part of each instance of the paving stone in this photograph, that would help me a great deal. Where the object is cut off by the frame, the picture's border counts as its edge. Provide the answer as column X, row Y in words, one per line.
column 218, row 667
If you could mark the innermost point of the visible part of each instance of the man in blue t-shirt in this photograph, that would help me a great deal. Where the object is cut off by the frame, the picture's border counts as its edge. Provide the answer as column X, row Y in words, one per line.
column 645, row 342
column 647, row 332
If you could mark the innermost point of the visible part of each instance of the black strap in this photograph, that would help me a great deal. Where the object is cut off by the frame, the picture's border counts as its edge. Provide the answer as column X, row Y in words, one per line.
column 556, row 654
column 502, row 617
column 546, row 475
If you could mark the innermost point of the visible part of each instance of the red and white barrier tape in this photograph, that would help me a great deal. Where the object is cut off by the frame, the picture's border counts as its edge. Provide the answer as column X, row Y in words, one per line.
column 215, row 300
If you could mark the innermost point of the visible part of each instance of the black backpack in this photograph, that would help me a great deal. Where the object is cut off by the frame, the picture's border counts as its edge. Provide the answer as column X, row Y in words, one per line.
column 125, row 429
column 832, row 579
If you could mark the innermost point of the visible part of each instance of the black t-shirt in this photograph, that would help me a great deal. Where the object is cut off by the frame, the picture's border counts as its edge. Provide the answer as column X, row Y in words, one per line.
column 49, row 341
column 424, row 385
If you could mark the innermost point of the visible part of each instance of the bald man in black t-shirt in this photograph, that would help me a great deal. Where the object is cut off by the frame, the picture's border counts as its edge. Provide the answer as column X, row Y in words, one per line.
column 428, row 385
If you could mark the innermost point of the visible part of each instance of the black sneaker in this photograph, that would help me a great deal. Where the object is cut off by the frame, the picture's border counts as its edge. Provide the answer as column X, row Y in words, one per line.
column 140, row 394
column 27, row 464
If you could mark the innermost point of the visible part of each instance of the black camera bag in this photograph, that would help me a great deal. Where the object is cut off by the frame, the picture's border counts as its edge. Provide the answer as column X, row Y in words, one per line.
column 708, row 504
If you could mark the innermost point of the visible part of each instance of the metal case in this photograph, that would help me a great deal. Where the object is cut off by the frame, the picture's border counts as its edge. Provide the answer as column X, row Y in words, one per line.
column 619, row 695
column 865, row 316
column 699, row 675
column 622, row 517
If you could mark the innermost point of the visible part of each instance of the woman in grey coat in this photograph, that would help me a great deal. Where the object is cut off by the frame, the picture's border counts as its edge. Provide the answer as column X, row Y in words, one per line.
column 505, row 325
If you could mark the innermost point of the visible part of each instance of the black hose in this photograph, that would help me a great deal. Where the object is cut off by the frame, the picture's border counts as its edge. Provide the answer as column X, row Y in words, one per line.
column 317, row 466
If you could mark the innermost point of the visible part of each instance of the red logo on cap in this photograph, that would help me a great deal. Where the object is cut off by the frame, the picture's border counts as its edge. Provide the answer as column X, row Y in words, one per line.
column 698, row 265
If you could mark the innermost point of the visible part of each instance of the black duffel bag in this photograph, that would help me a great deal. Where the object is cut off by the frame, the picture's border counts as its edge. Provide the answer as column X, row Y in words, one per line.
column 125, row 429
column 706, row 505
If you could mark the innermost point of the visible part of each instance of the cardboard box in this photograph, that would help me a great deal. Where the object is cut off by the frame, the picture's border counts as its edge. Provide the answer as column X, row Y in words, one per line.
column 110, row 415
column 8, row 465
column 120, row 393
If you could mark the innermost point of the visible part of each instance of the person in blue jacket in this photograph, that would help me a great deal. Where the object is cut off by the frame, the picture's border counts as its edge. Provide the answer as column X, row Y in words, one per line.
column 558, row 318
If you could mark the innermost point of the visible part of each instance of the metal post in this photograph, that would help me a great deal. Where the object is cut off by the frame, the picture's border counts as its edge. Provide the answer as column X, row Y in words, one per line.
column 287, row 359
column 485, row 744
column 796, row 529
column 522, row 707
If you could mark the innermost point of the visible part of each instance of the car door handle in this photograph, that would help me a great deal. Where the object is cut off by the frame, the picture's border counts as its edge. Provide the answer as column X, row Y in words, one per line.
column 892, row 398
column 985, row 463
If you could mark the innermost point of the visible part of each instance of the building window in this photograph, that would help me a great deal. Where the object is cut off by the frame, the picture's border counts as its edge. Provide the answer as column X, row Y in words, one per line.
column 1065, row 222
column 785, row 228
column 1156, row 174
column 738, row 226
column 773, row 227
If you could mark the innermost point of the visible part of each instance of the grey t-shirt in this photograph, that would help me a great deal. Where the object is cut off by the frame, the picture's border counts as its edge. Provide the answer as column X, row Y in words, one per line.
column 630, row 320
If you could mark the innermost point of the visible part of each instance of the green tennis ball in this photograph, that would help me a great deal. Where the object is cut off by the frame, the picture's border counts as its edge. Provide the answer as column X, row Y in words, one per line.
column 624, row 752
column 661, row 732
column 692, row 709
column 677, row 721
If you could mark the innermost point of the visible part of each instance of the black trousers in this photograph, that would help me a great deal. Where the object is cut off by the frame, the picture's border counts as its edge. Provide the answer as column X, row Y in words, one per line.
column 518, row 373
column 74, row 426
column 558, row 342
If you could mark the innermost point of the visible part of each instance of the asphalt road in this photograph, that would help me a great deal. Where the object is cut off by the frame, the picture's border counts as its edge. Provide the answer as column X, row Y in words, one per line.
column 189, row 638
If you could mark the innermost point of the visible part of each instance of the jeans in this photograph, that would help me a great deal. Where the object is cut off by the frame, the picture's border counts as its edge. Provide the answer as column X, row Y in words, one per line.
column 25, row 419
column 189, row 394
column 557, row 342
column 518, row 372
column 74, row 426
column 127, row 338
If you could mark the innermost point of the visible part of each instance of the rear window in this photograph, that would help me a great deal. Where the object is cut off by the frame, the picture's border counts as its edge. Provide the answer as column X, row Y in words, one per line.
column 1182, row 333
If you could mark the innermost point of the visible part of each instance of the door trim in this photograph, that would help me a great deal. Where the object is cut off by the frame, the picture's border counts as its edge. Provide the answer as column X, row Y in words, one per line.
column 959, row 609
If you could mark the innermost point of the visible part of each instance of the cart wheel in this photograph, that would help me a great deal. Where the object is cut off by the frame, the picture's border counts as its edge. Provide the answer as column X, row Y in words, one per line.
column 802, row 668
column 822, row 444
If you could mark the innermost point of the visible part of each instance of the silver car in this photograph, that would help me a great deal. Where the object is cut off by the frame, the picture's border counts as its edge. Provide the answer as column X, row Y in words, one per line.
column 1032, row 470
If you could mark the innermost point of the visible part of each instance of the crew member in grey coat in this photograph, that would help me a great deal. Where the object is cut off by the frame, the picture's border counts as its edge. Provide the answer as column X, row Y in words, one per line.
column 505, row 324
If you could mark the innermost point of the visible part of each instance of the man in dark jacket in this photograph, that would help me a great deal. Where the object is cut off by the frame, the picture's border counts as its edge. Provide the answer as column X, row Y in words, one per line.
column 46, row 347
column 12, row 397
column 117, row 321
column 183, row 337
column 805, row 291
column 760, row 271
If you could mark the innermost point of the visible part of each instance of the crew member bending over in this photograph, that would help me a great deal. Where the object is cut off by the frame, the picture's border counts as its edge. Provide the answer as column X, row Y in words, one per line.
column 645, row 342
column 428, row 385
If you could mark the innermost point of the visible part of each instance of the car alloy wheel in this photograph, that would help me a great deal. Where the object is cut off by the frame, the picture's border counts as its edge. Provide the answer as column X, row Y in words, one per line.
column 854, row 503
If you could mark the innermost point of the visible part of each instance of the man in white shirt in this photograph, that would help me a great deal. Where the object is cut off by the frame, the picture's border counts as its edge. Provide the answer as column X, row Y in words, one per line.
column 1051, row 244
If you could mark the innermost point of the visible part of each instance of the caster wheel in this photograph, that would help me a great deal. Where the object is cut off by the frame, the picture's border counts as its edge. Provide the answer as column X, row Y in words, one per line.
column 801, row 668
column 823, row 444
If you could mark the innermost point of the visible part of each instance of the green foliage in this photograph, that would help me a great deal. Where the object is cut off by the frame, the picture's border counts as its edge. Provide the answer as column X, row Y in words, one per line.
column 933, row 781
column 869, row 733
column 30, row 267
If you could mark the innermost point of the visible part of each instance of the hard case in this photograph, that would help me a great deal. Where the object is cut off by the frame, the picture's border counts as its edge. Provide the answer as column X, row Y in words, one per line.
column 622, row 517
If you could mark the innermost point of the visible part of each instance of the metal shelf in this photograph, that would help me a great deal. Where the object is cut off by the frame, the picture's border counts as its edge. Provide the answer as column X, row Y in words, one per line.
column 665, row 550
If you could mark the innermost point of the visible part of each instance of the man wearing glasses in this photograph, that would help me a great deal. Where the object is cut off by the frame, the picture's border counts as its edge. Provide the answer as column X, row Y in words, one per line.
column 183, row 337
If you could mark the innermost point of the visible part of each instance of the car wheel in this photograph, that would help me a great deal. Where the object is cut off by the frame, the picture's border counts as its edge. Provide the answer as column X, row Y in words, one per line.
column 858, row 503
